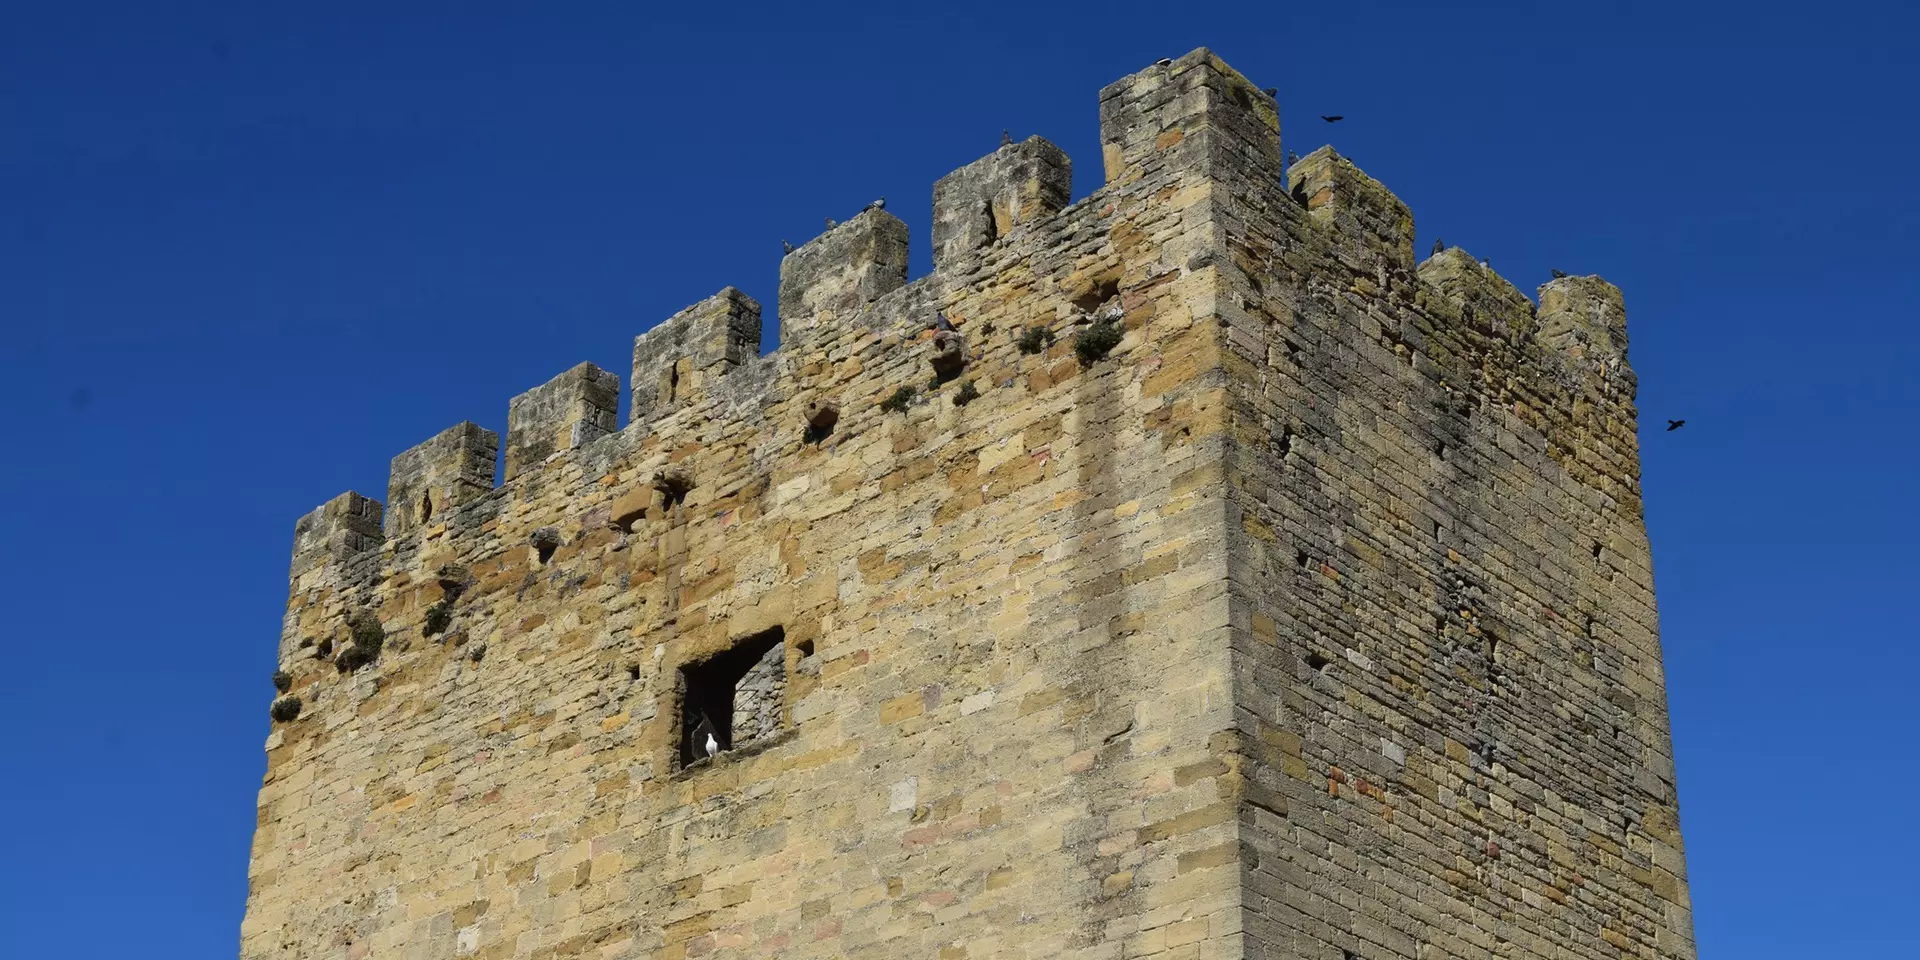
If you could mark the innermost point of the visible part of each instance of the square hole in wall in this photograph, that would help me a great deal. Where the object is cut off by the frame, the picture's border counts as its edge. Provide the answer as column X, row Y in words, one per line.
column 734, row 697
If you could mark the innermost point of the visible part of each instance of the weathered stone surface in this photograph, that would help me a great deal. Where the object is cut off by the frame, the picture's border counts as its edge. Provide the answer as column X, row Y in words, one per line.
column 1314, row 620
column 431, row 479
column 563, row 413
column 983, row 201
column 838, row 275
column 674, row 363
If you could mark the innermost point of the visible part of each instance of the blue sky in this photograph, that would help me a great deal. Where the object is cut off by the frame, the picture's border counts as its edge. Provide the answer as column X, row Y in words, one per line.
column 247, row 256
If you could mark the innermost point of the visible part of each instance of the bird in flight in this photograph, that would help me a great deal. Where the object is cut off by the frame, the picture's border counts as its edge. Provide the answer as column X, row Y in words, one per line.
column 1673, row 425
column 1333, row 119
column 1559, row 274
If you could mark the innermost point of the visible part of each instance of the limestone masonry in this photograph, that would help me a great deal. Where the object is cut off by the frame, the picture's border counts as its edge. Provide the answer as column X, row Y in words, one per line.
column 1313, row 618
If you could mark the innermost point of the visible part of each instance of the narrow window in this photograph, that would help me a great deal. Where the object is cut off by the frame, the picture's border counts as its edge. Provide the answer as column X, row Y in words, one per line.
column 733, row 698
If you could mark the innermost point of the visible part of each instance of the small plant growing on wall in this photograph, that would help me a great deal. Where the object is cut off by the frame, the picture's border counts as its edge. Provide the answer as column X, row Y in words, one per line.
column 368, row 637
column 439, row 617
column 899, row 401
column 282, row 681
column 1034, row 340
column 1093, row 344
column 285, row 709
column 966, row 394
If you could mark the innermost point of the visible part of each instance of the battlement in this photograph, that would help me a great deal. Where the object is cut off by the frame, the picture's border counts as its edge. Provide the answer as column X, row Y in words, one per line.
column 1110, row 588
column 1192, row 120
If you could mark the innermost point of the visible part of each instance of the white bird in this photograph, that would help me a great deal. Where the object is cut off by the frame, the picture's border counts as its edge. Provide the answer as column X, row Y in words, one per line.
column 713, row 746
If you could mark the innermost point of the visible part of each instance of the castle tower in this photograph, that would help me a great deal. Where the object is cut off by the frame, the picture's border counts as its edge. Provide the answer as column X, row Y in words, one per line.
column 1224, row 584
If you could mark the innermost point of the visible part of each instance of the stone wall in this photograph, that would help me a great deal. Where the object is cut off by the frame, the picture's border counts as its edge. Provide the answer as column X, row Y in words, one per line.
column 1313, row 620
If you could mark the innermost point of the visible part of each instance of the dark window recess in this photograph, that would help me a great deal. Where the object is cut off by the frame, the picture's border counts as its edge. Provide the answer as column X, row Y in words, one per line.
column 673, row 486
column 1097, row 297
column 736, row 696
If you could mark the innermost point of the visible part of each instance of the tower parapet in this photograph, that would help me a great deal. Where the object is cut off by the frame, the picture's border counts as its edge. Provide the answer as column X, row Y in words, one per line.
column 676, row 362
column 429, row 480
column 984, row 200
column 563, row 413
column 837, row 275
column 1370, row 221
column 344, row 527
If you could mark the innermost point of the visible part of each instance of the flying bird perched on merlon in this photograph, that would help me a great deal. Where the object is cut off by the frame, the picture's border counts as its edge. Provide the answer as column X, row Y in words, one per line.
column 829, row 223
column 1336, row 118
column 880, row 204
column 1438, row 245
column 788, row 246
column 1005, row 138
column 1673, row 425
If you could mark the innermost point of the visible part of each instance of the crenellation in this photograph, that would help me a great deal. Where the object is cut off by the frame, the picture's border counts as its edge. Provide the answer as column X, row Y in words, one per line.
column 335, row 531
column 1192, row 111
column 566, row 412
column 428, row 481
column 1584, row 319
column 840, row 274
column 1310, row 618
column 676, row 362
column 1371, row 223
column 1486, row 298
column 985, row 200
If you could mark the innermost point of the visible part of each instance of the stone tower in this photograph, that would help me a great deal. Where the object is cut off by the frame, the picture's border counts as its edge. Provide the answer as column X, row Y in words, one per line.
column 1183, row 572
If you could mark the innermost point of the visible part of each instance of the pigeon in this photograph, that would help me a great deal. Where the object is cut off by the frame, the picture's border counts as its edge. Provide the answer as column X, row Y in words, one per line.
column 1438, row 245
column 1272, row 92
column 1292, row 158
column 1673, row 425
column 703, row 737
column 880, row 204
column 1487, row 262
column 1163, row 61
column 787, row 245
column 1559, row 274
column 1333, row 119
column 829, row 223
column 940, row 322
column 1005, row 138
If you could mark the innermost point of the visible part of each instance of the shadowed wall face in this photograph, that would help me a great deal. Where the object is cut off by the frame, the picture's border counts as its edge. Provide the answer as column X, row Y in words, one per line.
column 1311, row 619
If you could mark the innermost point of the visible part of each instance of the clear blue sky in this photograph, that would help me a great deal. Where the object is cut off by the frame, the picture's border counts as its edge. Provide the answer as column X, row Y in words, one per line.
column 246, row 257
